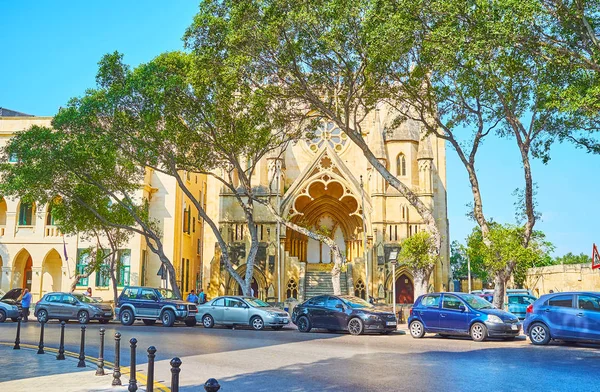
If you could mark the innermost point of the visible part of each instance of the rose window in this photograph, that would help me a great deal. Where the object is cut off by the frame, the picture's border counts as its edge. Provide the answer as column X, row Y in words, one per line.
column 327, row 133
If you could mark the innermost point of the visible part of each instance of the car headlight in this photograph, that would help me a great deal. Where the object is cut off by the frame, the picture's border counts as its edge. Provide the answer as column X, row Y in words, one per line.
column 494, row 319
column 181, row 307
column 15, row 307
column 96, row 309
column 272, row 314
column 372, row 317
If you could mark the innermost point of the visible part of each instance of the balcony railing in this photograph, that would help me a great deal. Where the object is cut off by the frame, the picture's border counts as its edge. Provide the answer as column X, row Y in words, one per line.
column 52, row 231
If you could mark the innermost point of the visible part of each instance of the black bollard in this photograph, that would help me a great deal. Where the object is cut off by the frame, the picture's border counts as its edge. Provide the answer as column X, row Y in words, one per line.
column 100, row 370
column 117, row 371
column 61, row 347
column 17, row 345
column 132, row 381
column 81, row 362
column 151, row 355
column 41, row 345
column 175, row 364
column 211, row 385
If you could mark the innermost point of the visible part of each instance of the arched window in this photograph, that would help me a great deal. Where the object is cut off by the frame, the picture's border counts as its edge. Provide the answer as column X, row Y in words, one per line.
column 50, row 216
column 26, row 211
column 401, row 165
column 2, row 212
column 360, row 290
column 292, row 289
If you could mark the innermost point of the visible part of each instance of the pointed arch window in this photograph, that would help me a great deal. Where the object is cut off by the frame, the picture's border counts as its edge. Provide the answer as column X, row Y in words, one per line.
column 26, row 214
column 401, row 165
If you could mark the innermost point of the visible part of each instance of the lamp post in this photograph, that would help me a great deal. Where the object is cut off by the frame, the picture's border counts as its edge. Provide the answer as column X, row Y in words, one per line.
column 362, row 198
column 469, row 272
column 393, row 260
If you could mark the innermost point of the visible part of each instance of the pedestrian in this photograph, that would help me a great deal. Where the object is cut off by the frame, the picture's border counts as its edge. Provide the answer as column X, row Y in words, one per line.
column 201, row 297
column 25, row 302
column 251, row 292
column 192, row 297
column 88, row 292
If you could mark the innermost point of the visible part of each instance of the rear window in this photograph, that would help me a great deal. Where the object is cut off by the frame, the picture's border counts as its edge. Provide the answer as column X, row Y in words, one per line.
column 561, row 301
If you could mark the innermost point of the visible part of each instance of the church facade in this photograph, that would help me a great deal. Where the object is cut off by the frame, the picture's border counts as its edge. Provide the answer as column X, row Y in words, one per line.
column 326, row 184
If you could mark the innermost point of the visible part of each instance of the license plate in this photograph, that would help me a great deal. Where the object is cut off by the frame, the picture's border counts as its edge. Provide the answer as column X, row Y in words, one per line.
column 390, row 323
column 514, row 327
column 108, row 314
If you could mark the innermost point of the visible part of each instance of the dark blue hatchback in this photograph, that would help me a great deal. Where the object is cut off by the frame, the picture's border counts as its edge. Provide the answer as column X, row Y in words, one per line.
column 461, row 314
column 564, row 316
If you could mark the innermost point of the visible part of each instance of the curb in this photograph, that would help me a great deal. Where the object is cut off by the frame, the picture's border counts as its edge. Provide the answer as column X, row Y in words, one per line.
column 140, row 377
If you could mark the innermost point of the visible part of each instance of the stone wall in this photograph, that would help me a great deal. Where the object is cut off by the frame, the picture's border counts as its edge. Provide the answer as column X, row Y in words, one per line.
column 570, row 277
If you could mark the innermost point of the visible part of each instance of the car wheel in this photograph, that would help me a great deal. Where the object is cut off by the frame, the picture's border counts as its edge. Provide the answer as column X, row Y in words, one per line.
column 127, row 317
column 83, row 317
column 104, row 321
column 539, row 334
column 2, row 316
column 168, row 318
column 208, row 321
column 355, row 326
column 149, row 322
column 478, row 332
column 277, row 327
column 303, row 324
column 190, row 322
column 42, row 316
column 417, row 329
column 257, row 323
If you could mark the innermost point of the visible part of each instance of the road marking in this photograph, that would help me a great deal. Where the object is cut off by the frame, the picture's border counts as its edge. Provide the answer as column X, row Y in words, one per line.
column 140, row 377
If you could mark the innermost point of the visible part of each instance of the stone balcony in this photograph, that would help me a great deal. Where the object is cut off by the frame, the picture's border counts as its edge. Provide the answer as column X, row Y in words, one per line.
column 52, row 231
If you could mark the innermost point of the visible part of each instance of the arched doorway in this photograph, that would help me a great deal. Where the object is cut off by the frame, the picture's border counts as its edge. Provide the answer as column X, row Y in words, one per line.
column 21, row 272
column 253, row 286
column 404, row 290
column 52, row 272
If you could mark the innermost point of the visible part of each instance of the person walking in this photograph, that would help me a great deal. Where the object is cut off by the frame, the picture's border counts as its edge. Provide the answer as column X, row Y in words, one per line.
column 88, row 292
column 25, row 303
column 192, row 297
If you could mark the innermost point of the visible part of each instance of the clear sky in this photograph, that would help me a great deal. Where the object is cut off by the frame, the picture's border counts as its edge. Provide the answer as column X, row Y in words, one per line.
column 50, row 50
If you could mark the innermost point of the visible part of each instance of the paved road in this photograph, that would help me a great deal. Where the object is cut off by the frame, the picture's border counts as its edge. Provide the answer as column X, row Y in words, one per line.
column 287, row 360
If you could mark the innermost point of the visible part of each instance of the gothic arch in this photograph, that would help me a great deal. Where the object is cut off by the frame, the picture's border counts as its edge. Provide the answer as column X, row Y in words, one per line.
column 232, row 285
column 52, row 275
column 21, row 269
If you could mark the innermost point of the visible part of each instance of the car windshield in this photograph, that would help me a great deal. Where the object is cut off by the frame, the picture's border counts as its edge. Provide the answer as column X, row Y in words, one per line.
column 86, row 299
column 356, row 303
column 476, row 302
column 257, row 303
column 167, row 294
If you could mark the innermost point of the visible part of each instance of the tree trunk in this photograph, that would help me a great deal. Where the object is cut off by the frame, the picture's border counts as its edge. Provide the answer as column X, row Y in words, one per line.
column 113, row 278
column 337, row 271
column 420, row 281
column 499, row 289
column 77, row 278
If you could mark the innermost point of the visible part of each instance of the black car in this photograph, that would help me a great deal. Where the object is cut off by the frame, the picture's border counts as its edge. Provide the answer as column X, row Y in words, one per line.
column 150, row 304
column 342, row 313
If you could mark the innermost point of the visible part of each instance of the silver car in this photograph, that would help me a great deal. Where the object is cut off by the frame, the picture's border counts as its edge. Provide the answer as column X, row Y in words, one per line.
column 67, row 306
column 238, row 310
column 8, row 311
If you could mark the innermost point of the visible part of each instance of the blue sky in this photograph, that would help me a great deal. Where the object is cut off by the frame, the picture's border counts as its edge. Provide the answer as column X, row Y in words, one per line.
column 50, row 51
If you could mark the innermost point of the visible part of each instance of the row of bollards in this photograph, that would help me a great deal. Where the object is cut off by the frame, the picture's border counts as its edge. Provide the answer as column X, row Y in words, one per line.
column 211, row 385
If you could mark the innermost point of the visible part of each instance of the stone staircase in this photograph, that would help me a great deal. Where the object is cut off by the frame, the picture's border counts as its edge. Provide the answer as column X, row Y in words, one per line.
column 319, row 283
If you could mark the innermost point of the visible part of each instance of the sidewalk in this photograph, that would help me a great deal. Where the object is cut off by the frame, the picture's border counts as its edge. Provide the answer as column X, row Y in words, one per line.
column 25, row 370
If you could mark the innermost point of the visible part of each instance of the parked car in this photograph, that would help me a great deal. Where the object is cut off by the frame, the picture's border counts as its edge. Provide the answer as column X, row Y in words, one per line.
column 9, row 312
column 150, row 304
column 12, row 298
column 240, row 310
column 569, row 317
column 517, row 303
column 343, row 313
column 461, row 314
column 67, row 306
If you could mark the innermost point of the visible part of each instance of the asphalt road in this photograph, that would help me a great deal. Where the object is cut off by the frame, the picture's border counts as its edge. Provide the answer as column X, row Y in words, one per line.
column 287, row 360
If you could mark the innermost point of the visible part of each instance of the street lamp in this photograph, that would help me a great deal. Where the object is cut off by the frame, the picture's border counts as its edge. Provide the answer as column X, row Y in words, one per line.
column 393, row 260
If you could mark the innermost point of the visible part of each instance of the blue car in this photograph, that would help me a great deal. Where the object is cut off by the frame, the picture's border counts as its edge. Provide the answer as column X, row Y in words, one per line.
column 569, row 317
column 461, row 314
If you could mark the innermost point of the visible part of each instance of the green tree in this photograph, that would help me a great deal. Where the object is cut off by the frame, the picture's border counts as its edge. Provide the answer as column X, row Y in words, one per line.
column 459, row 265
column 186, row 113
column 97, row 186
column 571, row 258
column 416, row 253
column 313, row 54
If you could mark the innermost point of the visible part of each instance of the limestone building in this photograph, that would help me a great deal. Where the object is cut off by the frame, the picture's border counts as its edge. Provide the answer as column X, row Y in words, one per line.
column 33, row 252
column 327, row 183
column 323, row 183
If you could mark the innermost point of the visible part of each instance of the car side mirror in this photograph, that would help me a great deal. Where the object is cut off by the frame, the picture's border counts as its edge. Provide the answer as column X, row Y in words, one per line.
column 339, row 306
column 462, row 308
